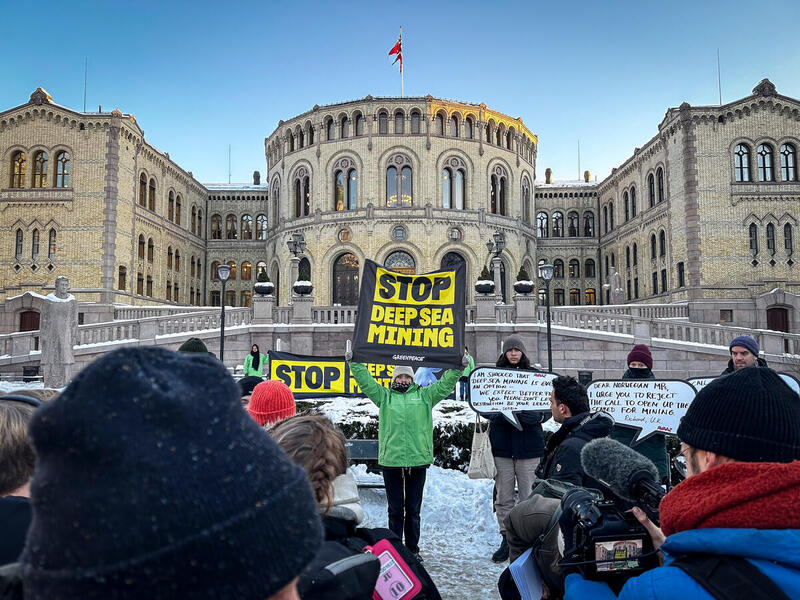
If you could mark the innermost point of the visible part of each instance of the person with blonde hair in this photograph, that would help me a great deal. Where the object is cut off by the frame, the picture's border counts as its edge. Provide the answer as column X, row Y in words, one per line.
column 316, row 444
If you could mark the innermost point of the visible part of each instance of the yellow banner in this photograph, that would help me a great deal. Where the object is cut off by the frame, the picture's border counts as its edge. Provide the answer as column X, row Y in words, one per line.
column 414, row 290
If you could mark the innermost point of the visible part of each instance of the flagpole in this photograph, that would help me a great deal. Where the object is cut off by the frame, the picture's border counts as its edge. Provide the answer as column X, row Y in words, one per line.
column 401, row 64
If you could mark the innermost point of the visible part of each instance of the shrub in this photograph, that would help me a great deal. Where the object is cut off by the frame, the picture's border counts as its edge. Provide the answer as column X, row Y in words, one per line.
column 523, row 275
column 485, row 274
column 262, row 277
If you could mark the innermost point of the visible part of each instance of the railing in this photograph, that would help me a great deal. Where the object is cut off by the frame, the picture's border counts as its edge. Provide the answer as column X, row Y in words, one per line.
column 645, row 311
column 505, row 313
column 124, row 313
column 470, row 316
column 282, row 315
column 205, row 321
column 588, row 320
column 333, row 315
column 101, row 333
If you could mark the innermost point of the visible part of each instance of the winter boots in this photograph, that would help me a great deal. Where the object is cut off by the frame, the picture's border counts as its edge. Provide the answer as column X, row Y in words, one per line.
column 501, row 554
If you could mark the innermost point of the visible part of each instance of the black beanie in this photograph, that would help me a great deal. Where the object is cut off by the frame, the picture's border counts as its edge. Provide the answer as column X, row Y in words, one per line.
column 152, row 482
column 193, row 344
column 751, row 415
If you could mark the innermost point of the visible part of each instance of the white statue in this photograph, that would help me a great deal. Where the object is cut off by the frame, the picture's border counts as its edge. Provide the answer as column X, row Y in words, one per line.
column 58, row 333
column 615, row 285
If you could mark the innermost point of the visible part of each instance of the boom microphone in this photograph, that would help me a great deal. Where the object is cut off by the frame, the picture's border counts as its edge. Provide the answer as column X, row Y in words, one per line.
column 625, row 472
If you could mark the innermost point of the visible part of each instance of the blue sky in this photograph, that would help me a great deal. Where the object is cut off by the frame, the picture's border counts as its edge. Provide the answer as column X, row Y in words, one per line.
column 202, row 75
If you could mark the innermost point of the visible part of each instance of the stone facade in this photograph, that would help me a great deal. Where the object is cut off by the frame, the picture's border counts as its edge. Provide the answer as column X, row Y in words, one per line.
column 403, row 164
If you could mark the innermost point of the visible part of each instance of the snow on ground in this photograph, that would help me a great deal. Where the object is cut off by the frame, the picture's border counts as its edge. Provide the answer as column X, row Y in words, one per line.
column 11, row 386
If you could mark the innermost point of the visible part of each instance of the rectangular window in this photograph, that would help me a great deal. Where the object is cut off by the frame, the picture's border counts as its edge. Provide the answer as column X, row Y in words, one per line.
column 655, row 282
column 663, row 280
column 726, row 316
column 215, row 298
column 629, row 289
column 681, row 275
column 81, row 318
column 635, row 287
column 574, row 297
column 558, row 297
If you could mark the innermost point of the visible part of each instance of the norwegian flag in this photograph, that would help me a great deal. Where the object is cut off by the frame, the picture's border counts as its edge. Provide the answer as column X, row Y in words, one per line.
column 398, row 49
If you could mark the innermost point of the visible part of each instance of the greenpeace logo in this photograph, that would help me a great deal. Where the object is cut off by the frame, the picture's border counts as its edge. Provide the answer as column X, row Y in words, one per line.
column 408, row 357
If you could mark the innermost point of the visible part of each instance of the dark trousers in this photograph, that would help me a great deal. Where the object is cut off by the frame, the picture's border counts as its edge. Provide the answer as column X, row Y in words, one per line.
column 404, row 487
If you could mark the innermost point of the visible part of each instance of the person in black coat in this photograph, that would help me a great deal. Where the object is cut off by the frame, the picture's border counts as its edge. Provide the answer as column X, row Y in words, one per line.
column 516, row 453
column 569, row 405
column 341, row 570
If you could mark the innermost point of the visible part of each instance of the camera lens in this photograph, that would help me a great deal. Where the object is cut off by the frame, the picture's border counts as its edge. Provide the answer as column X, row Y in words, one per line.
column 581, row 504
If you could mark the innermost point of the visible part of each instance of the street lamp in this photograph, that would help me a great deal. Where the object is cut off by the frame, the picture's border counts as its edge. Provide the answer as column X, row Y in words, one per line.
column 546, row 273
column 224, row 273
column 297, row 245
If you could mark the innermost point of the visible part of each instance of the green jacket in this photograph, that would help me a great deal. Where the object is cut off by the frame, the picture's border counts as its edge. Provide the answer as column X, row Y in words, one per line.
column 248, row 366
column 471, row 367
column 405, row 422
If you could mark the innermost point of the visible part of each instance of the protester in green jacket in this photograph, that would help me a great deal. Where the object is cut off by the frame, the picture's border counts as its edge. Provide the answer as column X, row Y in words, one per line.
column 255, row 363
column 405, row 440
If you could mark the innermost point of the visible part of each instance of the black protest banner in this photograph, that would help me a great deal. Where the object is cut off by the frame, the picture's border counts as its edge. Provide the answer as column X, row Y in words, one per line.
column 415, row 320
column 319, row 376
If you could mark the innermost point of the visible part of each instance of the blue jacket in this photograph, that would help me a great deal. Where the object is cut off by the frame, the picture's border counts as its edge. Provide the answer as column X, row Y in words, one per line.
column 773, row 551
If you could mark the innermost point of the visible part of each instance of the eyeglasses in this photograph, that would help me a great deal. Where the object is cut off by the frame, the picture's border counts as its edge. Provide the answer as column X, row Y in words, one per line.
column 29, row 400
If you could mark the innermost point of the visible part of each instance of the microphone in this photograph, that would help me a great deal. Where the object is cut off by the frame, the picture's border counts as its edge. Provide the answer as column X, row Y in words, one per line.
column 625, row 472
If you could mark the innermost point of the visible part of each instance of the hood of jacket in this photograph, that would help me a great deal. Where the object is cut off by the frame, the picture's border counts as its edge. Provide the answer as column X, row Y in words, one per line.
column 735, row 495
column 345, row 501
column 759, row 362
column 590, row 425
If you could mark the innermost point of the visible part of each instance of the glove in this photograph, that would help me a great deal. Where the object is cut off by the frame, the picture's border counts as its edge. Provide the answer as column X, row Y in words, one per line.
column 464, row 361
column 348, row 356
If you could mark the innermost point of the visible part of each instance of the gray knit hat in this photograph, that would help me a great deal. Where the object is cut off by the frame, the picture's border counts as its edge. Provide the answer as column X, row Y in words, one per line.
column 193, row 344
column 402, row 370
column 514, row 341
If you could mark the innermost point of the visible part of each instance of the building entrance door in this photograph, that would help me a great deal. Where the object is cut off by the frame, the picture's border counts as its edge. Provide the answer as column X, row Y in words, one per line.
column 778, row 319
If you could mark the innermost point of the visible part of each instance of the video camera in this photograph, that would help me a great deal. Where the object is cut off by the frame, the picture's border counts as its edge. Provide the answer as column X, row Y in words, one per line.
column 602, row 540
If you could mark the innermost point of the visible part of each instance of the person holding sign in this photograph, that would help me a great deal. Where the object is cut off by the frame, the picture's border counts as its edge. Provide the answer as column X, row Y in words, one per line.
column 255, row 363
column 405, row 439
column 640, row 365
column 516, row 452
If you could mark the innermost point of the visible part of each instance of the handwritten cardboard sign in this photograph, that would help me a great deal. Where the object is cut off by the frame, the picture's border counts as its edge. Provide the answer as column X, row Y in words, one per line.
column 651, row 406
column 505, row 391
column 791, row 381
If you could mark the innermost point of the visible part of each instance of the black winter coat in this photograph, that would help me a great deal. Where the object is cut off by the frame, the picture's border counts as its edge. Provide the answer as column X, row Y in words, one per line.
column 563, row 459
column 508, row 441
column 342, row 540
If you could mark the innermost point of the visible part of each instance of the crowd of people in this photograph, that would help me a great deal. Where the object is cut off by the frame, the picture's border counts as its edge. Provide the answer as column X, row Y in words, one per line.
column 156, row 474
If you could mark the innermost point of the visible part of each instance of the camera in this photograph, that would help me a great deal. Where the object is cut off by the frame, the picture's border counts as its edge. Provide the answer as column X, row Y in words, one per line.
column 603, row 542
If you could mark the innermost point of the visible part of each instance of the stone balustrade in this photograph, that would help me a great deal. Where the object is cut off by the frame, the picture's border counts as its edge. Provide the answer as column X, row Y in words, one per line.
column 648, row 311
column 333, row 315
column 124, row 313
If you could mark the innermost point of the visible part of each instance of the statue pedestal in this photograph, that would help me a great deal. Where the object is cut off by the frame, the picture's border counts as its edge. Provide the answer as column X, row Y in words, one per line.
column 262, row 309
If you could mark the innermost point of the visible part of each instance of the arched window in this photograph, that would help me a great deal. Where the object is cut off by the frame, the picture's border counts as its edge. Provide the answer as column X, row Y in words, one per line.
column 142, row 190
column 62, row 169
column 399, row 178
column 310, row 136
column 169, row 290
column 140, row 284
column 329, row 129
column 526, row 200
column 18, row 169
column 468, row 128
column 653, row 246
column 788, row 162
column 232, row 265
column 199, row 268
column 149, row 286
column 151, row 195
column 360, row 122
column 193, row 269
column 247, row 227
column 230, row 227
column 122, row 277
column 35, row 244
column 438, row 125
column 141, row 247
column 764, row 152
column 741, row 162
column 415, row 118
column 40, row 169
column 246, row 298
column 246, row 271
column 611, row 215
column 401, row 262
column 261, row 267
column 343, row 126
column 509, row 139
column 261, row 227
column 290, row 138
column 178, row 209
column 176, row 294
column 150, row 249
column 399, row 122
column 301, row 138
column 627, row 206
column 497, row 199
column 542, row 227
column 660, row 181
column 605, row 219
column 193, row 219
column 662, row 243
column 451, row 260
column 651, row 190
column 199, row 222
column 498, row 136
column 787, row 238
column 753, row 233
column 574, row 268
column 771, row 238
column 588, row 224
column 51, row 245
column 558, row 269
column 589, row 268
column 216, row 227
column 171, row 206
column 276, row 202
column 590, row 297
column 572, row 224
column 383, row 123
column 447, row 188
column 345, row 280
column 628, row 257
column 18, row 244
column 635, row 254
column 558, row 224
column 214, row 271
column 230, row 298
column 453, row 126
column 633, row 202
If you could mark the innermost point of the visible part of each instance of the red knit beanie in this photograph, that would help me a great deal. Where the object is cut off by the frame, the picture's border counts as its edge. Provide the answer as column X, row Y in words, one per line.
column 642, row 354
column 271, row 401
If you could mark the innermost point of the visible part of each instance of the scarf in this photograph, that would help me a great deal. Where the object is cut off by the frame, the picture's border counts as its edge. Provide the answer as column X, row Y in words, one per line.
column 256, row 359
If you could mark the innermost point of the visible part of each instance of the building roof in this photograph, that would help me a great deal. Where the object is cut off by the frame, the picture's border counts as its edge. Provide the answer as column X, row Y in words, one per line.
column 567, row 183
column 235, row 187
